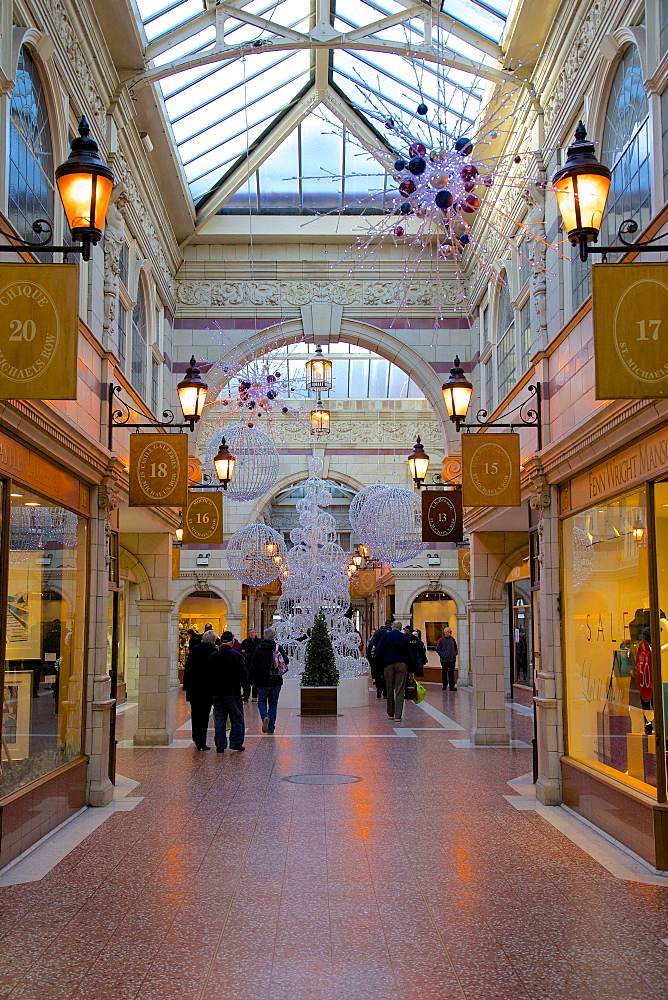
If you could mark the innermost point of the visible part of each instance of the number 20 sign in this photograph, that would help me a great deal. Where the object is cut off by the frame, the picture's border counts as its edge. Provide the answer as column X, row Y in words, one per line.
column 158, row 470
column 39, row 309
column 630, row 305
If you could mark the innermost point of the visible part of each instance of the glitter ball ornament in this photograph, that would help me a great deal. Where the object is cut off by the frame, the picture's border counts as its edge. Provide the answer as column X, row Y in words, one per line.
column 390, row 523
column 248, row 558
column 358, row 502
column 256, row 468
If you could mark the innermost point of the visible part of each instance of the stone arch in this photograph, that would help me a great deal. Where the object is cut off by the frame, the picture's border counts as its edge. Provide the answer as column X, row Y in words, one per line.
column 451, row 592
column 382, row 342
column 188, row 587
column 618, row 42
column 513, row 559
column 286, row 481
column 130, row 561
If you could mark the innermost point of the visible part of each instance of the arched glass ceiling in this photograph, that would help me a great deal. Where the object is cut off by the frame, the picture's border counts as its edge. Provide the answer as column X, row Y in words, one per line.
column 232, row 74
column 356, row 372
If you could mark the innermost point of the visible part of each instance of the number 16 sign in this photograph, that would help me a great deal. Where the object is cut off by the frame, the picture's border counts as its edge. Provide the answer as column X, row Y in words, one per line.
column 203, row 519
column 630, row 305
column 158, row 470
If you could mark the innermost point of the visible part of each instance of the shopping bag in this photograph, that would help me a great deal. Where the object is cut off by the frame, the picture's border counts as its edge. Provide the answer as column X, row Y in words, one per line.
column 421, row 692
column 410, row 692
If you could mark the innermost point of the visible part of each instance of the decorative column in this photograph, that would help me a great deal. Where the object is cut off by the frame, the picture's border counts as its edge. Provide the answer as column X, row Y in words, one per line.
column 486, row 610
column 463, row 647
column 547, row 655
column 155, row 655
column 98, row 723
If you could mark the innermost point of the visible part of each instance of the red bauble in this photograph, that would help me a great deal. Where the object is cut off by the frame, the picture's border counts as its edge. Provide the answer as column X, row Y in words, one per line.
column 407, row 187
column 417, row 149
column 517, row 159
column 399, row 230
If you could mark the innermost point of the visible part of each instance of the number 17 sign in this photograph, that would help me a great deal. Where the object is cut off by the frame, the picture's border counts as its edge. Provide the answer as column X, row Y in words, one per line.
column 630, row 306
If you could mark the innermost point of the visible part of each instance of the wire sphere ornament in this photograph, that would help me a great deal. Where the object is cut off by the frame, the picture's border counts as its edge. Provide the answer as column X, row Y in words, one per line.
column 358, row 502
column 390, row 523
column 248, row 558
column 32, row 528
column 256, row 469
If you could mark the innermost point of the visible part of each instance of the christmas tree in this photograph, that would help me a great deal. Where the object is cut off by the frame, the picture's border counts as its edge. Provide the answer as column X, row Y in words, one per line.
column 320, row 669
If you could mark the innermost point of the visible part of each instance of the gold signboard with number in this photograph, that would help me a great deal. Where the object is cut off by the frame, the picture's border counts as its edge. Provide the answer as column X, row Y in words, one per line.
column 442, row 516
column 630, row 307
column 158, row 470
column 203, row 520
column 39, row 325
column 491, row 470
column 464, row 562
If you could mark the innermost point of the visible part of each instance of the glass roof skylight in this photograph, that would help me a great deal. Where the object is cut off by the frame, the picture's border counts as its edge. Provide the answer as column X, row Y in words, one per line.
column 228, row 81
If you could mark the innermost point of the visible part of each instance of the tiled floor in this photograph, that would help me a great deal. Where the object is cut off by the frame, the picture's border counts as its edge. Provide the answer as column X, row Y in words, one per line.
column 420, row 881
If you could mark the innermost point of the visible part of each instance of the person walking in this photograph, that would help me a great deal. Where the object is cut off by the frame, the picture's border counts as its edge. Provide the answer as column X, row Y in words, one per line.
column 447, row 650
column 228, row 678
column 248, row 647
column 377, row 672
column 419, row 651
column 395, row 655
column 197, row 686
column 265, row 677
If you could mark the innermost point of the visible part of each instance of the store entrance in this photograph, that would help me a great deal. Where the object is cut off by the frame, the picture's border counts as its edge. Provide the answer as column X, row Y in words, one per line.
column 197, row 610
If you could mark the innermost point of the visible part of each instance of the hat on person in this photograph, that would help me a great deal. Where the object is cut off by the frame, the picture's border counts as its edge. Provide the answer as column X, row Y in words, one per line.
column 227, row 637
column 270, row 634
column 209, row 636
column 208, row 626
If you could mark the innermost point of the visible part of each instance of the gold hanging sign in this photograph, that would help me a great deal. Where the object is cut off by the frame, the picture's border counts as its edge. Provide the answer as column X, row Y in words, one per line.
column 203, row 519
column 491, row 470
column 442, row 516
column 464, row 562
column 630, row 309
column 158, row 470
column 39, row 331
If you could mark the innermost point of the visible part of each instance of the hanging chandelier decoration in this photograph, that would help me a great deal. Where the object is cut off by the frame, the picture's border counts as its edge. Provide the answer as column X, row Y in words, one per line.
column 256, row 462
column 248, row 557
column 390, row 524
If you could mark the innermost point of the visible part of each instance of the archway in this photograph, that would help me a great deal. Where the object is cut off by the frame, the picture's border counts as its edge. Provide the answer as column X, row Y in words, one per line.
column 382, row 342
column 198, row 609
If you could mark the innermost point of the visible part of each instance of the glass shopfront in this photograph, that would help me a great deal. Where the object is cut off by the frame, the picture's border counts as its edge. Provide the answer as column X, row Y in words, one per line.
column 43, row 675
column 614, row 555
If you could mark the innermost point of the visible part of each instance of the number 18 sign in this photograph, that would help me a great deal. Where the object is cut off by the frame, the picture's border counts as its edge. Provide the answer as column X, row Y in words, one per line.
column 158, row 470
column 630, row 306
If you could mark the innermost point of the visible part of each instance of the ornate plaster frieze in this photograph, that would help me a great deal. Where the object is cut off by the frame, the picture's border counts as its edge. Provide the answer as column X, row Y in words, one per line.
column 79, row 68
column 583, row 44
column 345, row 292
column 359, row 432
column 133, row 210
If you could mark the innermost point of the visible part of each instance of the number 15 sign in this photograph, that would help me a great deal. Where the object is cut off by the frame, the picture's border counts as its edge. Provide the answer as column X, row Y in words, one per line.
column 630, row 306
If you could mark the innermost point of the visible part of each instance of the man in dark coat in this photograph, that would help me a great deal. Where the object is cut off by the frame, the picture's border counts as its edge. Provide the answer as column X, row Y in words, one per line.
column 248, row 647
column 197, row 686
column 228, row 678
column 446, row 647
column 377, row 672
column 395, row 655
column 265, row 678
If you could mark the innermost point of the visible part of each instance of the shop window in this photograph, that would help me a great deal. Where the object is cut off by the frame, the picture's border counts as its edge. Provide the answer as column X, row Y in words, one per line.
column 606, row 618
column 43, row 679
column 489, row 384
column 30, row 173
column 155, row 385
column 661, row 528
column 625, row 148
column 139, row 343
column 664, row 141
column 505, row 354
column 580, row 278
column 525, row 335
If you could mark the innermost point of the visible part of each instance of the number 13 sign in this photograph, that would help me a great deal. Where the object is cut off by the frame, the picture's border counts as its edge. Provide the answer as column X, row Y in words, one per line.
column 630, row 304
column 158, row 470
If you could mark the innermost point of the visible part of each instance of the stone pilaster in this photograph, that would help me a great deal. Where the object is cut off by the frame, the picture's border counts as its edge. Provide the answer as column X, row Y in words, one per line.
column 487, row 641
column 155, row 656
column 464, row 649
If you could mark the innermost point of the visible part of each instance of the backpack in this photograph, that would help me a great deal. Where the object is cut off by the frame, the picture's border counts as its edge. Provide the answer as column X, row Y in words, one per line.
column 278, row 664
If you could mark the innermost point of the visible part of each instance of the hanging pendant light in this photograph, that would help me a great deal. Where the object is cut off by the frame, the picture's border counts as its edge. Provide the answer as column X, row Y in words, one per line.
column 319, row 419
column 224, row 464
column 319, row 372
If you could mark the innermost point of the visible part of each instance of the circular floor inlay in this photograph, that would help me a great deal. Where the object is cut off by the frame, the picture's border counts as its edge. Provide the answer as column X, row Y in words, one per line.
column 322, row 779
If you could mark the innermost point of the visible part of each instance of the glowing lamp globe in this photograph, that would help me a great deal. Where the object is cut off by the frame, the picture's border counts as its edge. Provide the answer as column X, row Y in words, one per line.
column 85, row 184
column 192, row 392
column 457, row 392
column 224, row 464
column 581, row 188
column 319, row 420
column 418, row 463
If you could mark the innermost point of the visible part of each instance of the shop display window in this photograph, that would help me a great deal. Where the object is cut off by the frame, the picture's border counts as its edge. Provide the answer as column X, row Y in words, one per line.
column 43, row 677
column 606, row 618
column 661, row 522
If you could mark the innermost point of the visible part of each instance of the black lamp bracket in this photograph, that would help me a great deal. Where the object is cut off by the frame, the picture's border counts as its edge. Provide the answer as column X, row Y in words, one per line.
column 207, row 483
column 529, row 414
column 439, row 483
column 626, row 228
column 44, row 229
column 120, row 414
